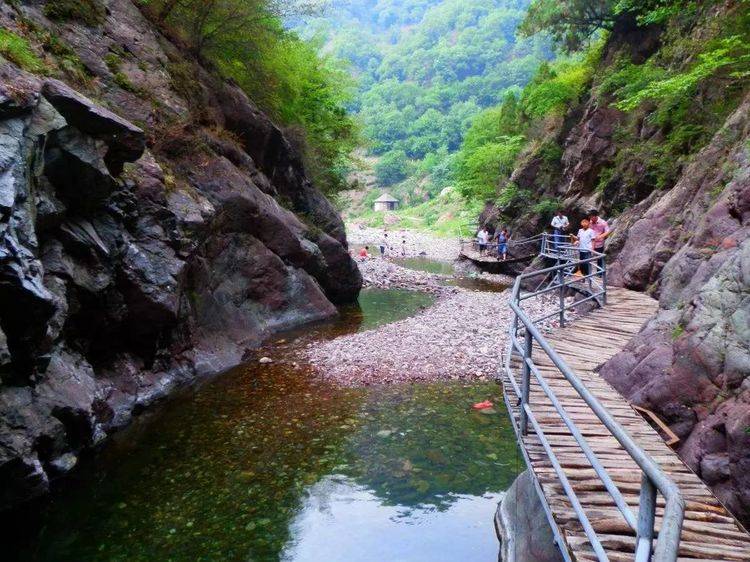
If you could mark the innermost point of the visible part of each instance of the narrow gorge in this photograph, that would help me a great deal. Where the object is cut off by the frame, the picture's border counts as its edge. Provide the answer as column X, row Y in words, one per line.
column 216, row 345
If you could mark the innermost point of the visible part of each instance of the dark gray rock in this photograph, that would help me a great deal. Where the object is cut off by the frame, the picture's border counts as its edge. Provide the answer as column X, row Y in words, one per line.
column 522, row 526
column 126, row 273
column 125, row 141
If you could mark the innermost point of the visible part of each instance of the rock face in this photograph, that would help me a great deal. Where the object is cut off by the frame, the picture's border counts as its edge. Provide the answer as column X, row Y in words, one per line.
column 133, row 258
column 684, row 239
column 691, row 364
column 522, row 526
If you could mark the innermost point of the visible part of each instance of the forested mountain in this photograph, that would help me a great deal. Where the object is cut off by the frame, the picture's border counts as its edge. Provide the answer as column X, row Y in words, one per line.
column 424, row 70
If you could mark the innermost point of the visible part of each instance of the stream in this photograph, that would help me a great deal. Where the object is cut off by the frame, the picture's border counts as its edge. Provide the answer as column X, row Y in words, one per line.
column 270, row 463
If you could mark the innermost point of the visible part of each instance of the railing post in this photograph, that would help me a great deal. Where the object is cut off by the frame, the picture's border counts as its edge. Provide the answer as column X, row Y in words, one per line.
column 604, row 279
column 525, row 381
column 646, row 517
column 561, row 282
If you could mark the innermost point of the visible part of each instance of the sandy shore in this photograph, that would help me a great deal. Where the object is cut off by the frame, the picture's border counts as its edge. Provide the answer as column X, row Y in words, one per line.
column 462, row 336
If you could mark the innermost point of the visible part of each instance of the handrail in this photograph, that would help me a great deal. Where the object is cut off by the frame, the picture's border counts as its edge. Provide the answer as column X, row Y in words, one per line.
column 653, row 478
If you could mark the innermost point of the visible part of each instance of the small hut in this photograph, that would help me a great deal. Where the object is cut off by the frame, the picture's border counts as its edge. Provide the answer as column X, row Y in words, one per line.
column 385, row 202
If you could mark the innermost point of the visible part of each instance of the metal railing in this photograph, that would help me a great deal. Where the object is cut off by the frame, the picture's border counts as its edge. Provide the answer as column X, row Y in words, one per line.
column 532, row 243
column 525, row 335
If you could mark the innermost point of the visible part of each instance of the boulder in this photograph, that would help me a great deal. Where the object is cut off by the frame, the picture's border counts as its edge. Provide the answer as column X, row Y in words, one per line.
column 522, row 525
column 126, row 142
column 126, row 273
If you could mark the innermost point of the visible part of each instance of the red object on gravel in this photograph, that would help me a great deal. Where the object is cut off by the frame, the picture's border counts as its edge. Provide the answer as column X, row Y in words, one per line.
column 482, row 405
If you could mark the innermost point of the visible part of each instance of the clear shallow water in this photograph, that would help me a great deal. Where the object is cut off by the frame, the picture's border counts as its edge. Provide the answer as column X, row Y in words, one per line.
column 426, row 264
column 268, row 463
column 455, row 279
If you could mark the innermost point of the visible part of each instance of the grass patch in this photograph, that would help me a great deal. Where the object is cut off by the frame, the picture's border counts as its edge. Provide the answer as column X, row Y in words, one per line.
column 678, row 331
column 18, row 51
column 114, row 63
column 90, row 12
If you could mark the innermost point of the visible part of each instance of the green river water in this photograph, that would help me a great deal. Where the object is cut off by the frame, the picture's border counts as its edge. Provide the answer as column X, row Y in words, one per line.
column 270, row 463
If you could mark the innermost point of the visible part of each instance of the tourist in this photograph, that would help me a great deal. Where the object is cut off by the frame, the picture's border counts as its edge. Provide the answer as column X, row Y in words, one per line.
column 364, row 253
column 383, row 244
column 403, row 247
column 502, row 244
column 601, row 231
column 584, row 239
column 482, row 239
column 559, row 225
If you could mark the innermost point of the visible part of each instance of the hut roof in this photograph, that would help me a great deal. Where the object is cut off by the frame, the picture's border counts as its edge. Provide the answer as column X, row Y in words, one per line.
column 386, row 198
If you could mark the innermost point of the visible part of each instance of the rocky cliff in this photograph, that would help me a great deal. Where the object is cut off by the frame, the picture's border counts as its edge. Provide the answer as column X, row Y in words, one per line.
column 154, row 227
column 681, row 217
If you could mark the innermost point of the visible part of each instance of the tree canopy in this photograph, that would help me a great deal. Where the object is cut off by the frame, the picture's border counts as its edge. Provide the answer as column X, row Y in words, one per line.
column 286, row 76
column 425, row 69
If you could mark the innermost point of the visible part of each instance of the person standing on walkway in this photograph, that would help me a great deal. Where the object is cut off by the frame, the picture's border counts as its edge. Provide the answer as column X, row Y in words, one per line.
column 601, row 231
column 502, row 244
column 584, row 239
column 384, row 244
column 482, row 238
column 560, row 225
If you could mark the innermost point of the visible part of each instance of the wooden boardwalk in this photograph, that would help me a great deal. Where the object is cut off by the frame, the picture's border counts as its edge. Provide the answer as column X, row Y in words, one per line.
column 709, row 532
column 490, row 256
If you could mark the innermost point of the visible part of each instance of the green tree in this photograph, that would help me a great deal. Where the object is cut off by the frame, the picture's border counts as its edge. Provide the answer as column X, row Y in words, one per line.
column 285, row 75
column 571, row 23
column 392, row 168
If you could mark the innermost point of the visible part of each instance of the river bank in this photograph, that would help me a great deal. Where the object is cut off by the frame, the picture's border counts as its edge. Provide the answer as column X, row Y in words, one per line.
column 460, row 337
column 404, row 243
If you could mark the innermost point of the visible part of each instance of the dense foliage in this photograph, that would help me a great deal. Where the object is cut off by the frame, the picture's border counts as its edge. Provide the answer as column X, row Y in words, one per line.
column 498, row 136
column 285, row 75
column 425, row 69
column 672, row 101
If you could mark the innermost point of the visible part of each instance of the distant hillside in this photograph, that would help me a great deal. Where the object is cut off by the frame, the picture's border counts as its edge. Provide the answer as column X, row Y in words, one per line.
column 425, row 69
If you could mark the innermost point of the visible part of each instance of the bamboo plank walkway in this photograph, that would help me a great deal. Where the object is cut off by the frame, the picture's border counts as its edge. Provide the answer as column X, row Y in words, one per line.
column 709, row 532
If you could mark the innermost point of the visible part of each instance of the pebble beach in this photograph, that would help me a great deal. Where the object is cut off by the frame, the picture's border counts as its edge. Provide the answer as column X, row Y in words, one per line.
column 460, row 337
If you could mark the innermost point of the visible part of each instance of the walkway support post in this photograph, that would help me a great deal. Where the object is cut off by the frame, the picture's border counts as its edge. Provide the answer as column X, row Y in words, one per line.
column 561, row 282
column 526, row 381
column 646, row 517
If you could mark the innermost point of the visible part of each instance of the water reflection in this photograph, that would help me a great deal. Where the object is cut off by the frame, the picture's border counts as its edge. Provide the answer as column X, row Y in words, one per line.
column 452, row 277
column 270, row 462
column 426, row 264
column 342, row 521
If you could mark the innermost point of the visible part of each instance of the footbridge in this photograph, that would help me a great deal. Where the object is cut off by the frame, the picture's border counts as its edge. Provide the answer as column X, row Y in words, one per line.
column 611, row 487
column 519, row 251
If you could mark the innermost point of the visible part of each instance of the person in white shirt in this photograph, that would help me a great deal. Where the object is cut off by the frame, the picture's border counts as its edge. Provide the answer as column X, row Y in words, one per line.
column 585, row 241
column 559, row 225
column 383, row 244
column 482, row 237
